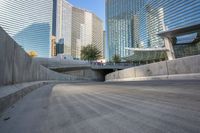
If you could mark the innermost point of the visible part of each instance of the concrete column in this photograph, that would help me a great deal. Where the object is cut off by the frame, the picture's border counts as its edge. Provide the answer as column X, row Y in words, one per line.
column 169, row 47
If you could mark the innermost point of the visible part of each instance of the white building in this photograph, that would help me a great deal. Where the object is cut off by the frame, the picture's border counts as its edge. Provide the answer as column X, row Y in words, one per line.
column 79, row 28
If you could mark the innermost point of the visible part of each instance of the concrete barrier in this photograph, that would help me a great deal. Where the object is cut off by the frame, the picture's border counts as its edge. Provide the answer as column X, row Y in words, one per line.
column 17, row 67
column 11, row 94
column 185, row 65
column 154, row 69
column 183, row 68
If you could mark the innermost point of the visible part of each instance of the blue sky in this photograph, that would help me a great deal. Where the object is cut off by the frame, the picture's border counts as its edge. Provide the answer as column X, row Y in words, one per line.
column 95, row 6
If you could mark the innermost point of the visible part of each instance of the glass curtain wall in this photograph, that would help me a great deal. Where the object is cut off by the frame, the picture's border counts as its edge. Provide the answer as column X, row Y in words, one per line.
column 120, row 16
column 136, row 23
column 163, row 15
column 64, row 24
column 29, row 23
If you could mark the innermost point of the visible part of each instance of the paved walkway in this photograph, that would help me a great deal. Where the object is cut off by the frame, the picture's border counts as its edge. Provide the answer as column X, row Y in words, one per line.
column 132, row 107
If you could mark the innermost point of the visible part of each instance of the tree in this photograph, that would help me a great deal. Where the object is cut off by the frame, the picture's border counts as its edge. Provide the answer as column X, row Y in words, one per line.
column 90, row 53
column 32, row 54
column 116, row 58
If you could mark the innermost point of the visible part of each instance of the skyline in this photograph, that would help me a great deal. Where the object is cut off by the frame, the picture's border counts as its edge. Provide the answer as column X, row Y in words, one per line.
column 90, row 6
column 40, row 31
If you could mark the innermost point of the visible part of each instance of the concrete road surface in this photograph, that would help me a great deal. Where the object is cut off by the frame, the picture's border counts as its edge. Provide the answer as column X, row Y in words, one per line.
column 130, row 107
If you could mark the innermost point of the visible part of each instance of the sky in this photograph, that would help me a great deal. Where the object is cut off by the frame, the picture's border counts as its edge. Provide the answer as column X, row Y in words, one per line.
column 95, row 6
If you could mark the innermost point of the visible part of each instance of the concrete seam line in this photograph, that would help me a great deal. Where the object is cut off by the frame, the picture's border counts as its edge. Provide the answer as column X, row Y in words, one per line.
column 167, row 68
column 135, row 72
column 13, row 65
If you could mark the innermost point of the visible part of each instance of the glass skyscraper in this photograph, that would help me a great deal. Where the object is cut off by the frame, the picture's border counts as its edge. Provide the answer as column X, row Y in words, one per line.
column 136, row 23
column 64, row 24
column 37, row 25
column 29, row 22
column 119, row 19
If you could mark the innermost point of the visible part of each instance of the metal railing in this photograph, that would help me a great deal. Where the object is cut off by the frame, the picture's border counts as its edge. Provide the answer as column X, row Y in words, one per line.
column 111, row 65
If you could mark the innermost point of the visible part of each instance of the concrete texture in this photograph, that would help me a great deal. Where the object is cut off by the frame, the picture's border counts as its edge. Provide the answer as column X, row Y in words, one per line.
column 6, row 58
column 122, row 107
column 154, row 69
column 87, row 73
column 17, row 67
column 123, row 74
column 11, row 94
column 127, row 73
column 162, row 77
column 182, row 68
column 184, row 65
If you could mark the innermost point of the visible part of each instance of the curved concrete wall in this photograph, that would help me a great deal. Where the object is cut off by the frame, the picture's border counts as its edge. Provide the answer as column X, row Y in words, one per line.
column 183, row 68
column 16, row 66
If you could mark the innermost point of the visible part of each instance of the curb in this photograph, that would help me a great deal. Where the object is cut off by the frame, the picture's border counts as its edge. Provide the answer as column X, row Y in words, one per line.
column 7, row 100
column 162, row 77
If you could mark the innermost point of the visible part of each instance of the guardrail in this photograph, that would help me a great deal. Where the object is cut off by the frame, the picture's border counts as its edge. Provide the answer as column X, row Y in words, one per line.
column 97, row 65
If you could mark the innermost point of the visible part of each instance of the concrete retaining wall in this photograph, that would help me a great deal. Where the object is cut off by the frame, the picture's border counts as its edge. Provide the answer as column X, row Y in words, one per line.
column 88, row 73
column 17, row 67
column 183, row 68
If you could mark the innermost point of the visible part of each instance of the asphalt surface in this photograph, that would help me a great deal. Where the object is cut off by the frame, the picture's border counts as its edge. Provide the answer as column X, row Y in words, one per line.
column 130, row 107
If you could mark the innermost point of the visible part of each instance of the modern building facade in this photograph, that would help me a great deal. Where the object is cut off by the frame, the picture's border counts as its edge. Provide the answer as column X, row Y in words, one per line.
column 77, row 28
column 78, row 19
column 137, row 23
column 39, row 25
column 120, row 15
column 97, row 34
column 104, row 44
column 64, row 24
column 29, row 22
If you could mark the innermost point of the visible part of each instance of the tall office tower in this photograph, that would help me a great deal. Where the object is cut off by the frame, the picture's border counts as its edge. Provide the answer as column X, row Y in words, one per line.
column 104, row 45
column 135, row 31
column 120, row 19
column 87, row 29
column 77, row 28
column 29, row 23
column 64, row 24
column 97, row 34
column 136, row 23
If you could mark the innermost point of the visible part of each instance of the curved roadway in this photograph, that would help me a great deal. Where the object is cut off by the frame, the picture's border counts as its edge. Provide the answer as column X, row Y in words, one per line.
column 130, row 107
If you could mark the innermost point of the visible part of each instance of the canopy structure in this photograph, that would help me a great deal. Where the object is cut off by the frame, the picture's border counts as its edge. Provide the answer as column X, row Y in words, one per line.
column 185, row 48
column 147, row 54
column 180, row 31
